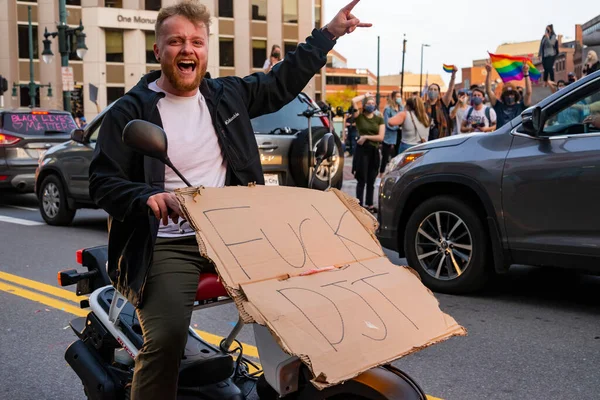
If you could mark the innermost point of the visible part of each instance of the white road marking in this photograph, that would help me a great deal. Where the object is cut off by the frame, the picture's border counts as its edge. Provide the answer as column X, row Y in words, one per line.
column 20, row 207
column 19, row 221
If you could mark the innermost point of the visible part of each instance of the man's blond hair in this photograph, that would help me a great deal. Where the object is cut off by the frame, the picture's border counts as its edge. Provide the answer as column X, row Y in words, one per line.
column 191, row 9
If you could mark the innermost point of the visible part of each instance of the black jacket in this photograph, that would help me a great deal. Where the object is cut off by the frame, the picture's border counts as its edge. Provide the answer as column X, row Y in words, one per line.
column 121, row 180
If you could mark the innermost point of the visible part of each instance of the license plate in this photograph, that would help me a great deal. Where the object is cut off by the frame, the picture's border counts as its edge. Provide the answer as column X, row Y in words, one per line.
column 271, row 180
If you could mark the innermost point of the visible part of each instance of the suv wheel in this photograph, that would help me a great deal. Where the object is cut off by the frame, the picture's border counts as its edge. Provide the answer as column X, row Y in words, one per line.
column 299, row 161
column 446, row 243
column 53, row 202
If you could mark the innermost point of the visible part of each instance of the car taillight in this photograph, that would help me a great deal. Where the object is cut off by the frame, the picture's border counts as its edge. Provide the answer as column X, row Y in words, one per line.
column 39, row 112
column 79, row 256
column 7, row 140
column 325, row 121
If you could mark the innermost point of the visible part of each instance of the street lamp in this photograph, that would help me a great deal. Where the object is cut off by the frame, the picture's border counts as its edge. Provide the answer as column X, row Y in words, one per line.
column 65, row 38
column 421, row 77
column 31, row 85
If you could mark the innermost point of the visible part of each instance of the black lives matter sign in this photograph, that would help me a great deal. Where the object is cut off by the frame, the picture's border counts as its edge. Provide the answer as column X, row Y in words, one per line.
column 39, row 123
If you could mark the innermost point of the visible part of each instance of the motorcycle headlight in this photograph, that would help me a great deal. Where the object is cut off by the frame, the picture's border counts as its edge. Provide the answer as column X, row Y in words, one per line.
column 402, row 160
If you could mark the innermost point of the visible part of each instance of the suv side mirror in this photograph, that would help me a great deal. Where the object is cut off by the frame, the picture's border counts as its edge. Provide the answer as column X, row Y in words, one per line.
column 78, row 135
column 532, row 121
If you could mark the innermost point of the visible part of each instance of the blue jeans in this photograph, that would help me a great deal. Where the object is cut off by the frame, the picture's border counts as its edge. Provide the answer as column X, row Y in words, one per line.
column 404, row 146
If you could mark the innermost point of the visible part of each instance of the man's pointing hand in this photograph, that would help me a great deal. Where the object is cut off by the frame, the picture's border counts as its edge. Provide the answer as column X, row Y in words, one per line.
column 344, row 22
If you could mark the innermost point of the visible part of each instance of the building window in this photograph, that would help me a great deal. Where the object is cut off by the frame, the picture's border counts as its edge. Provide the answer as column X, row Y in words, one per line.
column 24, row 94
column 317, row 16
column 150, row 38
column 290, row 11
column 114, row 93
column 226, row 8
column 24, row 41
column 259, row 10
column 153, row 5
column 74, row 2
column 226, row 52
column 347, row 80
column 259, row 53
column 114, row 45
column 289, row 46
column 113, row 3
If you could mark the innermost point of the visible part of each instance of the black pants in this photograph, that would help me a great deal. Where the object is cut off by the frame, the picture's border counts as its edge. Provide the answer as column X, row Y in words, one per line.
column 388, row 151
column 548, row 63
column 367, row 166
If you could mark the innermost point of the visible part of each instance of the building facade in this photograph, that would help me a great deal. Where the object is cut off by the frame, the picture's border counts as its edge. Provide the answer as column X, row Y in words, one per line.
column 120, row 39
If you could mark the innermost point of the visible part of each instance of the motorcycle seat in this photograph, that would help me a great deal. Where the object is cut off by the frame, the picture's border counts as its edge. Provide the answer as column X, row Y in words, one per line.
column 209, row 287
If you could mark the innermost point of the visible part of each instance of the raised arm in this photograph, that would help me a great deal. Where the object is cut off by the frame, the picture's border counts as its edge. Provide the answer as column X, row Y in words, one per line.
column 267, row 93
column 488, row 84
column 527, row 93
column 448, row 96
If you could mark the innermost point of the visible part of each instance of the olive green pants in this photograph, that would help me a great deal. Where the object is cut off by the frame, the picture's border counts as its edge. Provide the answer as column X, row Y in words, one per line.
column 165, row 316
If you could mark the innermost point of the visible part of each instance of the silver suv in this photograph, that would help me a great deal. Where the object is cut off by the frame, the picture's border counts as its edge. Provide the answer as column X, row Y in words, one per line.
column 463, row 208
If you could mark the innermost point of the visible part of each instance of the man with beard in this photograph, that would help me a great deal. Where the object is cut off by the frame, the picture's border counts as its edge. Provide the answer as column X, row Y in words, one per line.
column 211, row 140
column 511, row 104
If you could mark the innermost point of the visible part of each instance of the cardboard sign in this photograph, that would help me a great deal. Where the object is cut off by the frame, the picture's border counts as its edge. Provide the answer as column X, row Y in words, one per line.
column 307, row 265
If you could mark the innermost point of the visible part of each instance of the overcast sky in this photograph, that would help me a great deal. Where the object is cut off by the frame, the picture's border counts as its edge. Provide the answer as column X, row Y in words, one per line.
column 459, row 31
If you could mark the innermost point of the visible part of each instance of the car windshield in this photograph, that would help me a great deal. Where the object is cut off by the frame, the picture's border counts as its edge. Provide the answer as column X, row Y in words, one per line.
column 38, row 123
column 287, row 117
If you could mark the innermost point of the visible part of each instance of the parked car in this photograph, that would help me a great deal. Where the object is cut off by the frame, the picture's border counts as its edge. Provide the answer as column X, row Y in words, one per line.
column 24, row 134
column 465, row 207
column 282, row 138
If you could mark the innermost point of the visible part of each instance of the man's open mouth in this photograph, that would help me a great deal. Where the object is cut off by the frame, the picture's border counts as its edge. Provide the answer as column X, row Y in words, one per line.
column 186, row 65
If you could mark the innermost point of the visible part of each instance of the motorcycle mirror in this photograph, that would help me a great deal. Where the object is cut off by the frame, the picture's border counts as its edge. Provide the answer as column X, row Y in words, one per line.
column 146, row 138
column 325, row 147
column 150, row 140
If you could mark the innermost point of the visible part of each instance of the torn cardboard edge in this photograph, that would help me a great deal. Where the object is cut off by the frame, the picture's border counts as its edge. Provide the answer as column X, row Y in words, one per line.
column 197, row 202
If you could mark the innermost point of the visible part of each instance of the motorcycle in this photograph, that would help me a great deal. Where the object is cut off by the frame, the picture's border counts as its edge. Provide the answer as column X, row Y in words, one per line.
column 110, row 337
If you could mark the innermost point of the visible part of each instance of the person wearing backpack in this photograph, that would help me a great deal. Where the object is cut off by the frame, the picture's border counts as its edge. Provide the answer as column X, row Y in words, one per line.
column 479, row 118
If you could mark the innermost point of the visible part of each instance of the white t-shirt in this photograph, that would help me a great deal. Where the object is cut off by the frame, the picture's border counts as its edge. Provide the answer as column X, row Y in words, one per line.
column 460, row 117
column 479, row 117
column 193, row 148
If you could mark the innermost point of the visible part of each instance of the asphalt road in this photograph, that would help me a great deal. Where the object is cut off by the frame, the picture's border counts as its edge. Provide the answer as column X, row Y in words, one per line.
column 535, row 334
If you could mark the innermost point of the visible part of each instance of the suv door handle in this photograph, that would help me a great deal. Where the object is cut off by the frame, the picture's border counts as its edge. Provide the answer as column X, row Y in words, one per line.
column 268, row 146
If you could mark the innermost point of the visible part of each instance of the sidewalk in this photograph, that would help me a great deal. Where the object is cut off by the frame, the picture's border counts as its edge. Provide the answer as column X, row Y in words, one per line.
column 349, row 184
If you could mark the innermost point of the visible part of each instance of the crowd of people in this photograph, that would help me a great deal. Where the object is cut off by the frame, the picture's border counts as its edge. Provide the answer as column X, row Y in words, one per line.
column 373, row 138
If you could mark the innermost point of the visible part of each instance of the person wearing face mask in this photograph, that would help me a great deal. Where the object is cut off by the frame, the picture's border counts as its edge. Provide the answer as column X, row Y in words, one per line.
column 458, row 112
column 548, row 52
column 510, row 104
column 273, row 59
column 371, row 131
column 479, row 118
column 437, row 109
column 389, row 147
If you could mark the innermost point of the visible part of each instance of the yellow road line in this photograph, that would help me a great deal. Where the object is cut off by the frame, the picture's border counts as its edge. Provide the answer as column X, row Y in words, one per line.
column 40, row 298
column 42, row 287
column 215, row 340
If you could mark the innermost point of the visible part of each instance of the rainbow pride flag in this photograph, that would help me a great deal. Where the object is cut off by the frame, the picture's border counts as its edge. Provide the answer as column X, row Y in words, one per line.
column 511, row 68
column 450, row 68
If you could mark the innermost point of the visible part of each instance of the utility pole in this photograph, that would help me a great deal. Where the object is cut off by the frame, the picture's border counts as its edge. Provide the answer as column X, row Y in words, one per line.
column 402, row 77
column 378, row 94
column 65, row 35
column 421, row 75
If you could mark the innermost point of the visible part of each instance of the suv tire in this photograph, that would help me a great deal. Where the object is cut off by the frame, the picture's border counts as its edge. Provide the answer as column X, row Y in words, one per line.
column 456, row 262
column 54, row 206
column 299, row 160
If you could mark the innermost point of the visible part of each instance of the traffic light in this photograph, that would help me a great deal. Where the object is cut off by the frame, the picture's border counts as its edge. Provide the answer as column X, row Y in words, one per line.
column 3, row 85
